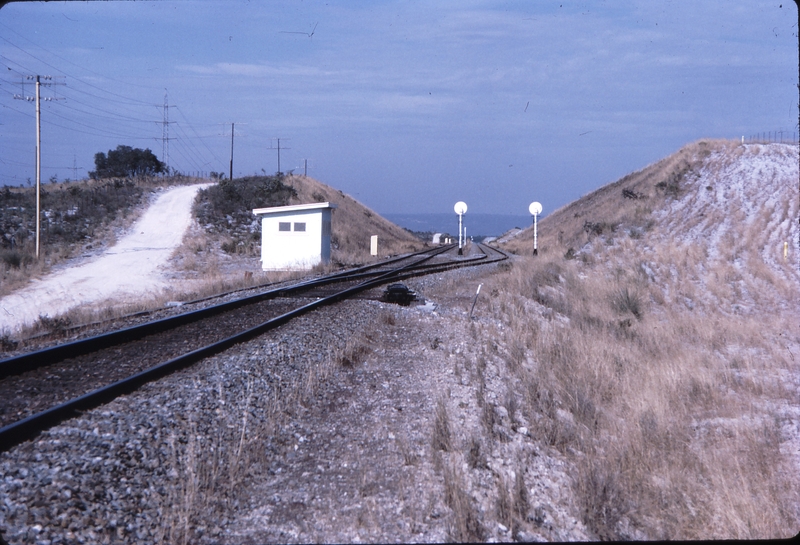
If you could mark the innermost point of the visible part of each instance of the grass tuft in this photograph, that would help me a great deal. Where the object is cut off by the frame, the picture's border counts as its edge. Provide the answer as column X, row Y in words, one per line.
column 354, row 353
column 442, row 434
column 466, row 526
column 626, row 301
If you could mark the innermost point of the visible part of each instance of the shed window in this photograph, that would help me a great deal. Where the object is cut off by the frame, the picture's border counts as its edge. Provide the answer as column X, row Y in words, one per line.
column 299, row 226
column 284, row 226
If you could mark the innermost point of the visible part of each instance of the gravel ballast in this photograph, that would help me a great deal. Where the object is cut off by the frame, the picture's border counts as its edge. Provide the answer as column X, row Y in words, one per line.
column 318, row 431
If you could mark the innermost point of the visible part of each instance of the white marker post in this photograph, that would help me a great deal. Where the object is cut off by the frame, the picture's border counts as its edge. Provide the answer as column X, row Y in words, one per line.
column 460, row 209
column 475, row 300
column 535, row 209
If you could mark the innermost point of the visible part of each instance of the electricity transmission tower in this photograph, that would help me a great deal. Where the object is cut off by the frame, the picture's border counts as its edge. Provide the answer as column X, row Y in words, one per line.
column 165, row 132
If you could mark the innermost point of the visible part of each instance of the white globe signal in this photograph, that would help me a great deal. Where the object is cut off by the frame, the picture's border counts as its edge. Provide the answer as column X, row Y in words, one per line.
column 535, row 209
column 460, row 208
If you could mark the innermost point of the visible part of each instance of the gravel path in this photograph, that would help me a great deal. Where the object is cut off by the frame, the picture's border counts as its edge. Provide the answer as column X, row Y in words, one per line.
column 129, row 269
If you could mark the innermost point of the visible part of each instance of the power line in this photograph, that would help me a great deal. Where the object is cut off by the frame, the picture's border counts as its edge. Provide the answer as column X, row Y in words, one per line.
column 197, row 156
column 65, row 73
column 112, row 117
column 210, row 151
column 119, row 121
column 189, row 152
column 69, row 61
column 17, row 111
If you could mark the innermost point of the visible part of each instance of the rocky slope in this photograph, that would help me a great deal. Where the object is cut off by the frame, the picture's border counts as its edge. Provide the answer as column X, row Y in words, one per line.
column 709, row 192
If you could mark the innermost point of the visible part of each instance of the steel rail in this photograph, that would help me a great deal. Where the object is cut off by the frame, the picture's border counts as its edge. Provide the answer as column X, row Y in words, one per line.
column 31, row 426
column 48, row 356
column 443, row 267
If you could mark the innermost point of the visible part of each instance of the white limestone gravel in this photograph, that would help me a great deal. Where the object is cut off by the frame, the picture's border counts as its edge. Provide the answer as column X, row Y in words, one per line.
column 129, row 269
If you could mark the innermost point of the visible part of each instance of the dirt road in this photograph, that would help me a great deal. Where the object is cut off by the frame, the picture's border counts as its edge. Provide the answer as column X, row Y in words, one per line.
column 128, row 270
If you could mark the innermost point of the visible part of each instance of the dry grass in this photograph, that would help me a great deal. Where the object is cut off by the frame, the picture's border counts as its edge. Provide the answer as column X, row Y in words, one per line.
column 657, row 355
column 672, row 412
column 465, row 525
column 659, row 369
column 211, row 282
column 442, row 438
column 212, row 467
column 354, row 353
column 15, row 274
column 201, row 265
column 656, row 369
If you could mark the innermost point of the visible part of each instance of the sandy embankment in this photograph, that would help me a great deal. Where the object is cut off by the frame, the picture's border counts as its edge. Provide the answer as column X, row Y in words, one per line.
column 130, row 269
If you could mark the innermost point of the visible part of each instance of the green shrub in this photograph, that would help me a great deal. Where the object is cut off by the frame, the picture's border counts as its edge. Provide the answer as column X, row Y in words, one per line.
column 12, row 258
column 226, row 209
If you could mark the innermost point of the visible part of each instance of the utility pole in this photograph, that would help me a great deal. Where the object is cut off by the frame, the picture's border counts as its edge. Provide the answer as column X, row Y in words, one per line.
column 38, row 165
column 233, row 126
column 37, row 98
column 279, row 152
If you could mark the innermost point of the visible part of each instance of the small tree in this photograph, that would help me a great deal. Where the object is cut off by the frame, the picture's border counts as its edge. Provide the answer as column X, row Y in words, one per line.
column 125, row 162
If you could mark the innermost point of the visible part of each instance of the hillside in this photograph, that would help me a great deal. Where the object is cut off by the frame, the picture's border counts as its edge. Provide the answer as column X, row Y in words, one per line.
column 353, row 223
column 711, row 220
column 637, row 379
column 77, row 218
column 661, row 317
column 84, row 220
column 705, row 186
column 227, row 239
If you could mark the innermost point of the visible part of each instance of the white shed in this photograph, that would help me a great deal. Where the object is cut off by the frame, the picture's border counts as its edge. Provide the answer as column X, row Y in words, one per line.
column 295, row 237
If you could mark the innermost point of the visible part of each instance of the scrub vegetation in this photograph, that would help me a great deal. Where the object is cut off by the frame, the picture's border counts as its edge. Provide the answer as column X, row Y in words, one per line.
column 225, row 213
column 225, row 210
column 674, row 420
column 623, row 207
column 220, row 252
column 77, row 217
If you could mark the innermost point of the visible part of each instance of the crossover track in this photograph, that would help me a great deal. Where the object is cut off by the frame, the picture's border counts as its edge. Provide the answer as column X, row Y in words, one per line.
column 43, row 388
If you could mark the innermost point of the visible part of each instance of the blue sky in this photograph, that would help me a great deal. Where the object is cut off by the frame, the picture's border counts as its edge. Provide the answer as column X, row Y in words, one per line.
column 407, row 106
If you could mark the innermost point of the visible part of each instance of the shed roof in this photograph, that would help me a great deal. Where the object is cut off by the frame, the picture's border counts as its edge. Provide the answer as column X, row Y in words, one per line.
column 293, row 208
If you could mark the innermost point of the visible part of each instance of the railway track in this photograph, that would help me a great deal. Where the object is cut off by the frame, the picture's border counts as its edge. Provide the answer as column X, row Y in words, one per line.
column 42, row 388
